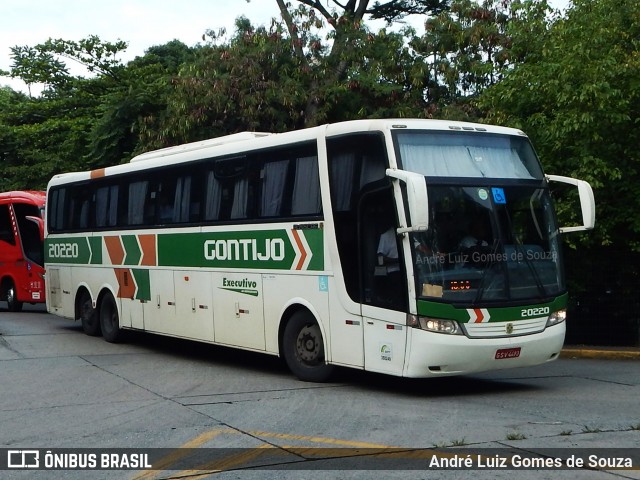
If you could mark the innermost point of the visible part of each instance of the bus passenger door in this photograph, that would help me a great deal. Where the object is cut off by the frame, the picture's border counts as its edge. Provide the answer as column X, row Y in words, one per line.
column 238, row 310
column 384, row 284
column 194, row 310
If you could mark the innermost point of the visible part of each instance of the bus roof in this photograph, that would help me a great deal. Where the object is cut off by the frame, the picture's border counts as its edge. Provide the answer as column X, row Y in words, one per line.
column 238, row 143
column 24, row 196
column 189, row 147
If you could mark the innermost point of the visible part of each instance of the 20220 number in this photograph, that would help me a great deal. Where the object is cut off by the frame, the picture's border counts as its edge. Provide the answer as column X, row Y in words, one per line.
column 534, row 312
column 63, row 250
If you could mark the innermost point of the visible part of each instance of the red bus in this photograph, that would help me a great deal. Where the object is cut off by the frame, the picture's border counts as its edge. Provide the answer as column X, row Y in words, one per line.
column 22, row 248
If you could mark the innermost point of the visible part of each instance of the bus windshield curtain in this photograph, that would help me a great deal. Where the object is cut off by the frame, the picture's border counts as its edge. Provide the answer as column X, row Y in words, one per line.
column 437, row 157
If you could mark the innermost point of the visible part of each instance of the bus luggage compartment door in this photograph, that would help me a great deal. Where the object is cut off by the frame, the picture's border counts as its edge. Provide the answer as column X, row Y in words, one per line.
column 238, row 311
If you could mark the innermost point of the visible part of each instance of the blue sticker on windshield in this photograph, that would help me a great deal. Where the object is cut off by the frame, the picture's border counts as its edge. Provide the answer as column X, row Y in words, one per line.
column 498, row 195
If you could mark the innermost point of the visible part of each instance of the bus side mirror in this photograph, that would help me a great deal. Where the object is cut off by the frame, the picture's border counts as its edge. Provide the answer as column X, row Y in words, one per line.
column 587, row 202
column 38, row 221
column 416, row 197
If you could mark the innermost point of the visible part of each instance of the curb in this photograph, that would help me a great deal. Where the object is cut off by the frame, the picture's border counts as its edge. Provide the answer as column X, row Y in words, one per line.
column 603, row 353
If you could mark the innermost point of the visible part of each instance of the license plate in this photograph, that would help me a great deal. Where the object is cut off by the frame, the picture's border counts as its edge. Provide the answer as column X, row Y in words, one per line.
column 508, row 353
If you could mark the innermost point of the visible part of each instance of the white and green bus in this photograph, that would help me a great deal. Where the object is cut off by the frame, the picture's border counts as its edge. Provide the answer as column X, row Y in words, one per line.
column 272, row 243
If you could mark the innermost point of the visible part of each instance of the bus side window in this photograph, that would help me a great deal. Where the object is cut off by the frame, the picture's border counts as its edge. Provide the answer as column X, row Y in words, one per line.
column 161, row 207
column 57, row 208
column 357, row 165
column 6, row 229
column 78, row 208
column 106, row 206
column 274, row 183
column 306, row 188
column 137, row 201
column 213, row 198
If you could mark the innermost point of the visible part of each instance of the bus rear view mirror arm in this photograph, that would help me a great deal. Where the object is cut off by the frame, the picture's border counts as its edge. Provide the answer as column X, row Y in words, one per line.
column 587, row 202
column 416, row 197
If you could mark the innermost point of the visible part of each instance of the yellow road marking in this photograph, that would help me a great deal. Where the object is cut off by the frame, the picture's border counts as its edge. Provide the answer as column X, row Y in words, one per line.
column 329, row 441
column 170, row 459
column 234, row 460
column 224, row 464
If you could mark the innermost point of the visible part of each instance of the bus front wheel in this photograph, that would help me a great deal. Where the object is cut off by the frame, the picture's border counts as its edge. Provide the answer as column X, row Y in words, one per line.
column 303, row 348
column 12, row 300
column 109, row 320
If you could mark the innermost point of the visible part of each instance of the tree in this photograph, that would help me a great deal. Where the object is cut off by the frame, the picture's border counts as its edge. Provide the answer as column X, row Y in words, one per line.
column 578, row 97
column 315, row 64
column 347, row 37
column 142, row 93
column 470, row 46
column 82, row 123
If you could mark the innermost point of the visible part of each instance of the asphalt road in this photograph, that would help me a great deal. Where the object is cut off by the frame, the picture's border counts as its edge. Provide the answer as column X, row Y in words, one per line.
column 62, row 389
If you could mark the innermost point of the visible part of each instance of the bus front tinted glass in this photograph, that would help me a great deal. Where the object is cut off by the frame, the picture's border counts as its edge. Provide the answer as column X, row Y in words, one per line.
column 487, row 244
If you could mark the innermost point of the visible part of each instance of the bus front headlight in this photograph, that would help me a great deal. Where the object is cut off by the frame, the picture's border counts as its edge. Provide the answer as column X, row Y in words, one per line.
column 557, row 317
column 437, row 325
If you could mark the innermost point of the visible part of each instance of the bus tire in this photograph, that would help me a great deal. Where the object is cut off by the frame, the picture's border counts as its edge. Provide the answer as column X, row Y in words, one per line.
column 13, row 305
column 88, row 315
column 109, row 320
column 303, row 348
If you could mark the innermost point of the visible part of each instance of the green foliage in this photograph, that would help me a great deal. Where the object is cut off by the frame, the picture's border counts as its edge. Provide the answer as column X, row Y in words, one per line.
column 310, row 67
column 126, row 107
column 78, row 123
column 398, row 9
column 465, row 49
column 38, row 137
column 578, row 97
column 570, row 82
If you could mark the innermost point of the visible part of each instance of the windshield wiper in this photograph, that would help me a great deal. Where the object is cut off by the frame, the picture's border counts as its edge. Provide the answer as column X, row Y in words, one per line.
column 522, row 254
column 488, row 268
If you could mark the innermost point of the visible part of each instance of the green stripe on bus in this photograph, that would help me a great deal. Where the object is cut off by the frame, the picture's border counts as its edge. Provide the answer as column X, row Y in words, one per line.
column 132, row 251
column 68, row 250
column 259, row 249
column 95, row 244
column 315, row 240
column 141, row 277
column 497, row 314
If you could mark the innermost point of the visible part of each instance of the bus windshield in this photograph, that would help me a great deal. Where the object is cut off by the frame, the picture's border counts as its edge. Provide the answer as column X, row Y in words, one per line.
column 487, row 244
column 32, row 244
column 493, row 235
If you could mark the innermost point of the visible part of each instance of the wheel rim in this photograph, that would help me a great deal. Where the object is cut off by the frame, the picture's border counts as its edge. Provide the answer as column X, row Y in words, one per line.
column 11, row 296
column 309, row 345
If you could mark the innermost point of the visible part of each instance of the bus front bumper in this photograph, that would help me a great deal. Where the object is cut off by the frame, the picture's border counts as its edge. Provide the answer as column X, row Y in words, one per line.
column 431, row 354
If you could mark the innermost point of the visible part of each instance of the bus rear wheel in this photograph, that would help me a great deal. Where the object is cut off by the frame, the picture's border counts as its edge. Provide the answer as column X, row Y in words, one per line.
column 303, row 348
column 13, row 305
column 109, row 320
column 88, row 315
